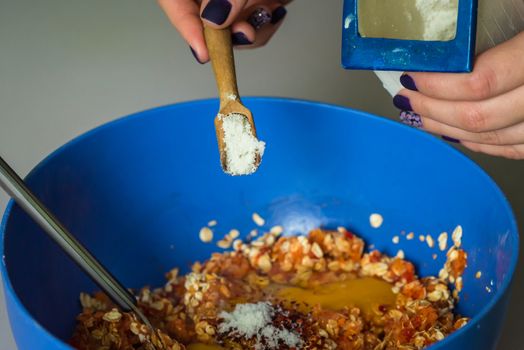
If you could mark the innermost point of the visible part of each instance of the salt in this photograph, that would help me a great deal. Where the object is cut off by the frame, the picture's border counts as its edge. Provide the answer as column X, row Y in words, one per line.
column 241, row 147
column 255, row 321
column 439, row 18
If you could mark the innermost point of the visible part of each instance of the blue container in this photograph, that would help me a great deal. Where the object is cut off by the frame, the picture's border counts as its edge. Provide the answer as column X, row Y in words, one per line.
column 455, row 55
column 137, row 191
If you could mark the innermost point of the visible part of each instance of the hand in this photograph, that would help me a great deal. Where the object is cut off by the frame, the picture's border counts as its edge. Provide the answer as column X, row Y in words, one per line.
column 253, row 22
column 483, row 109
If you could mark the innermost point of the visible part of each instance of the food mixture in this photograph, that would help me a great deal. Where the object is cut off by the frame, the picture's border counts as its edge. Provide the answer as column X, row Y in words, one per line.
column 320, row 291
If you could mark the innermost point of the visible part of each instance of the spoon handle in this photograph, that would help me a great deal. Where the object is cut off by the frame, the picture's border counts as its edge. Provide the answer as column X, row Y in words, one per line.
column 17, row 189
column 222, row 58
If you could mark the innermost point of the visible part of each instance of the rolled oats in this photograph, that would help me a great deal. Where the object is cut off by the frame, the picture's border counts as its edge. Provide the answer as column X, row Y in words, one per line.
column 187, row 309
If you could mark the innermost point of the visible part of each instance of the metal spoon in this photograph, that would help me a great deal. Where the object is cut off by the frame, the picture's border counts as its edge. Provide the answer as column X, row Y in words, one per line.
column 17, row 189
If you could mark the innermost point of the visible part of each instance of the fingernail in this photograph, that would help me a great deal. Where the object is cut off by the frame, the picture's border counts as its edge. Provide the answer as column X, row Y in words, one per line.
column 450, row 139
column 259, row 17
column 411, row 119
column 408, row 82
column 217, row 11
column 240, row 38
column 195, row 55
column 402, row 103
column 278, row 14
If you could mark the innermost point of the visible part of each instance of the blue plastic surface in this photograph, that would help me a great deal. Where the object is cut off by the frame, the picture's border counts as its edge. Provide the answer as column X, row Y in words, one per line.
column 410, row 55
column 137, row 191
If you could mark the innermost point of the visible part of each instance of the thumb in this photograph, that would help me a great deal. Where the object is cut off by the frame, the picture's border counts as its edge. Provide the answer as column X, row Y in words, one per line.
column 221, row 13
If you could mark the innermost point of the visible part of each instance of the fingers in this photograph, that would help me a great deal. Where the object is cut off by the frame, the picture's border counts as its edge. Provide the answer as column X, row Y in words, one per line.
column 253, row 22
column 511, row 152
column 513, row 135
column 265, row 33
column 184, row 15
column 221, row 13
column 260, row 22
column 481, row 116
column 496, row 71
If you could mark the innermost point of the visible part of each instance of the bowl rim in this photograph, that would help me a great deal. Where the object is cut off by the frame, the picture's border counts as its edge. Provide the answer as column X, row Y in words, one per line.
column 505, row 286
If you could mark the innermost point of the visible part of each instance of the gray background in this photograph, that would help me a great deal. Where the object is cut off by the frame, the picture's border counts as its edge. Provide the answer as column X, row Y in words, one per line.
column 67, row 66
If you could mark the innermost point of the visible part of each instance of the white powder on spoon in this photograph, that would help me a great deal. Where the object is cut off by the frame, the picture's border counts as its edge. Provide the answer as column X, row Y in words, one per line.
column 241, row 147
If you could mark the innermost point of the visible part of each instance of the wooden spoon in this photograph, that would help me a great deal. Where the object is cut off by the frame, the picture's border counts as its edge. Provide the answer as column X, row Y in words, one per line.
column 221, row 54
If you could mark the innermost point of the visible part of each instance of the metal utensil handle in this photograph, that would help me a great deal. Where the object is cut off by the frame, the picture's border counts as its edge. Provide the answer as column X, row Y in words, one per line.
column 16, row 188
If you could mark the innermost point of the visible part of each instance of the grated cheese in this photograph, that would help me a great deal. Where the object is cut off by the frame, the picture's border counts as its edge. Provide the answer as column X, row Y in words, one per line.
column 255, row 321
column 241, row 146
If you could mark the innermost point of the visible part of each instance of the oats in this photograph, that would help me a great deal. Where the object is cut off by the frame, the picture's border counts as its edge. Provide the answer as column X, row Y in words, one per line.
column 478, row 274
column 212, row 223
column 270, row 240
column 443, row 241
column 429, row 241
column 376, row 220
column 133, row 327
column 257, row 219
column 317, row 251
column 435, row 256
column 307, row 262
column 488, row 289
column 459, row 283
column 264, row 263
column 333, row 266
column 422, row 238
column 233, row 234
column 453, row 255
column 253, row 233
column 194, row 302
column 224, row 243
column 443, row 274
column 159, row 305
column 276, row 230
column 342, row 229
column 112, row 316
column 237, row 244
column 435, row 296
column 206, row 235
column 97, row 334
column 286, row 266
column 347, row 266
column 457, row 236
column 375, row 269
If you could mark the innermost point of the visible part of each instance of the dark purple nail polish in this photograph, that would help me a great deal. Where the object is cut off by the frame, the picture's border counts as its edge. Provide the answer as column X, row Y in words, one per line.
column 408, row 82
column 259, row 17
column 278, row 14
column 217, row 11
column 450, row 139
column 195, row 55
column 402, row 103
column 411, row 119
column 240, row 38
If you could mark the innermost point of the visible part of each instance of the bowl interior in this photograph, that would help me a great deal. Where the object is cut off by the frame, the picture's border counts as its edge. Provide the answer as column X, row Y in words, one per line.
column 137, row 191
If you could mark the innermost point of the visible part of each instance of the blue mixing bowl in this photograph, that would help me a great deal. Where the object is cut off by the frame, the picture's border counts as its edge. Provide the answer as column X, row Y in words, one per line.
column 137, row 191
